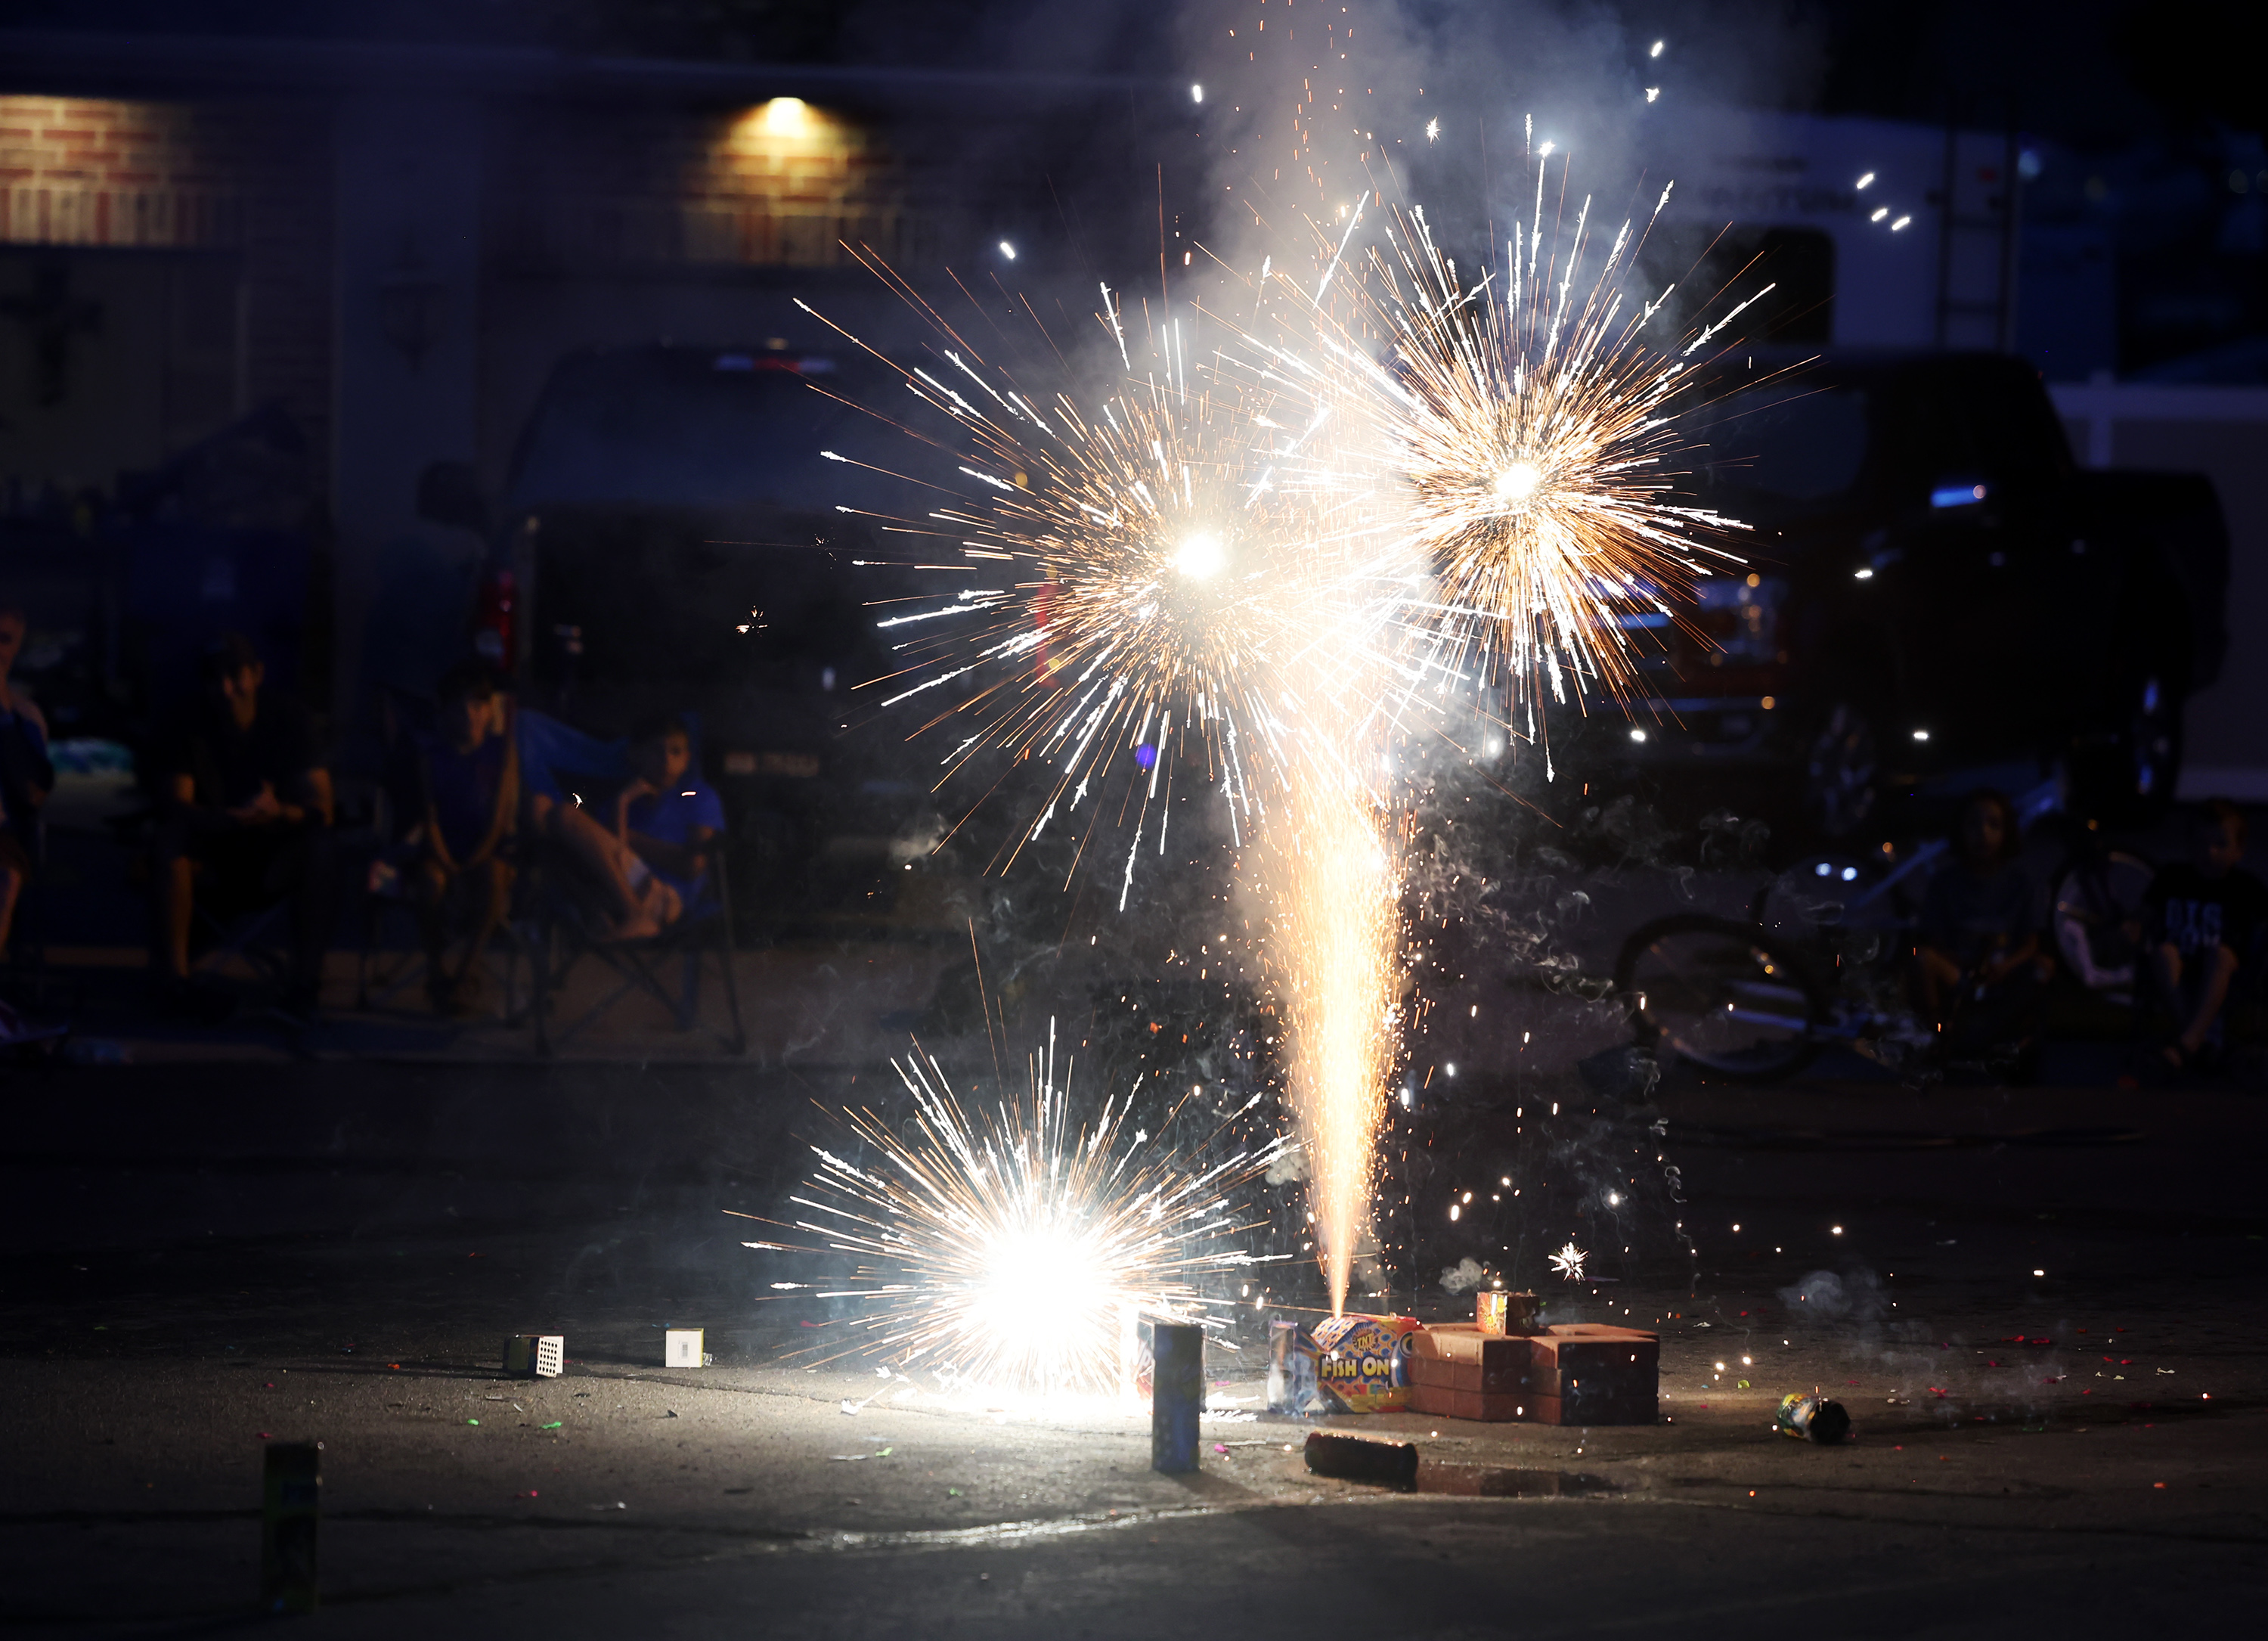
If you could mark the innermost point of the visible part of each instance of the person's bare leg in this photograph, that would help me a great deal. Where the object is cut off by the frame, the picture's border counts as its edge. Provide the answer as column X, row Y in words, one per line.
column 2220, row 971
column 602, row 852
column 1938, row 973
column 12, row 884
column 429, row 892
column 2169, row 961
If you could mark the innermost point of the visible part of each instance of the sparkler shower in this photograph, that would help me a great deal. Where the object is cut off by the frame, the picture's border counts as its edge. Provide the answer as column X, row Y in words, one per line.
column 1337, row 892
column 1006, row 1246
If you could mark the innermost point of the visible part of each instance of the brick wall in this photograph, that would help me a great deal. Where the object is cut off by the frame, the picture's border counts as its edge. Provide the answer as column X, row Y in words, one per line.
column 757, row 187
column 79, row 171
column 250, row 178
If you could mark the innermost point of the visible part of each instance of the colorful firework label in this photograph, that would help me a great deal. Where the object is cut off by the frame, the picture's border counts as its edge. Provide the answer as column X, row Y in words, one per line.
column 1362, row 1362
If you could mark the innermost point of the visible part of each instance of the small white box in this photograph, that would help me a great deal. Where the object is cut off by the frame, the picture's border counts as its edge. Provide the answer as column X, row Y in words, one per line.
column 534, row 1356
column 682, row 1348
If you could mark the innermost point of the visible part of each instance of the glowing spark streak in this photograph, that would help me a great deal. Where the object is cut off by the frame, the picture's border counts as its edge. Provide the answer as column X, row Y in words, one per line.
column 1337, row 897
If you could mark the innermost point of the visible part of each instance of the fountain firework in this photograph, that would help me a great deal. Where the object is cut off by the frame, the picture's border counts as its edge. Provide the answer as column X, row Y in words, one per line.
column 1334, row 878
column 1006, row 1247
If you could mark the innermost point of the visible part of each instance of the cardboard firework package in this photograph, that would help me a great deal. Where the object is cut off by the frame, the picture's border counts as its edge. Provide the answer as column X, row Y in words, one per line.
column 1362, row 1362
column 1292, row 1384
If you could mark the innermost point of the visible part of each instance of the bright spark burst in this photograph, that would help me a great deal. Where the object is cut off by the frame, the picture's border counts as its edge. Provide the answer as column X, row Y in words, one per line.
column 1006, row 1246
column 1533, row 424
column 1170, row 575
column 1569, row 1261
column 1527, row 414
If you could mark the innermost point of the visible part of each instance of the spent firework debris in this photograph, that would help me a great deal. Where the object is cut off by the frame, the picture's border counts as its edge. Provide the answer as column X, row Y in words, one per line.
column 1176, row 591
column 1005, row 1245
column 1569, row 1261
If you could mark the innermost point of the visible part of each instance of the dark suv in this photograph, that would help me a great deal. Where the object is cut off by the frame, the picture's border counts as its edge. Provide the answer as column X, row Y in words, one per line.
column 1931, row 585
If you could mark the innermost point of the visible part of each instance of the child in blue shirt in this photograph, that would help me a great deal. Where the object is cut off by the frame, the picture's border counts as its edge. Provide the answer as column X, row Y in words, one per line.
column 666, row 817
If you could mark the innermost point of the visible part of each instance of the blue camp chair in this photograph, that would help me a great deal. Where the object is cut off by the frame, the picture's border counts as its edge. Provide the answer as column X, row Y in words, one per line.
column 571, row 927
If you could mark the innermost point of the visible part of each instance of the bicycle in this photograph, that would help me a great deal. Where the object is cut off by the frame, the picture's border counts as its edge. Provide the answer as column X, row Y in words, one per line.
column 1755, row 1001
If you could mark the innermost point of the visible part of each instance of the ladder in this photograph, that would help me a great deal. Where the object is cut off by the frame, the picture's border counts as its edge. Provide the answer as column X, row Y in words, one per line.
column 1977, row 205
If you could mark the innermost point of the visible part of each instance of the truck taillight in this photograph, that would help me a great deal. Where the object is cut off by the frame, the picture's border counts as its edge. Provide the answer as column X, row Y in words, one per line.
column 496, row 619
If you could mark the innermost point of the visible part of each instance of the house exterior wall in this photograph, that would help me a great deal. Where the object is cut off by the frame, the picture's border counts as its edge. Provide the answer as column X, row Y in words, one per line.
column 245, row 181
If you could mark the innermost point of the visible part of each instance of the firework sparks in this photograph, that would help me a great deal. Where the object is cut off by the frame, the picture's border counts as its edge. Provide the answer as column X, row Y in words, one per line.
column 1163, row 565
column 1337, row 889
column 1005, row 1247
column 1528, row 417
column 1533, row 426
column 1569, row 1261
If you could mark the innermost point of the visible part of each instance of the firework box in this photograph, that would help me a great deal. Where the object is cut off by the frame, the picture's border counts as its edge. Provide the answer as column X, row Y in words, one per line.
column 1571, row 1373
column 1497, row 1311
column 681, row 1346
column 1362, row 1362
column 1458, row 1371
column 1291, row 1384
column 1592, row 1373
column 534, row 1356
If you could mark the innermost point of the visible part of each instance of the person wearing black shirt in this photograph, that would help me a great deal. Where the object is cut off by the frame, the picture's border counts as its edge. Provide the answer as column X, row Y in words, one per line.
column 245, row 805
column 1979, row 919
column 2204, row 919
column 466, row 801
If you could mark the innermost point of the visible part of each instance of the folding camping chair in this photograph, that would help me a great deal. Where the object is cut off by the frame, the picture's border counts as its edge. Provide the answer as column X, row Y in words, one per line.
column 28, row 974
column 571, row 927
column 383, row 973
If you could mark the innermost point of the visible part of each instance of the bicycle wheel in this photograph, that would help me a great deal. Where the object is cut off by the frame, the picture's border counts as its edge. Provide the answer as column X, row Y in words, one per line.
column 1722, row 994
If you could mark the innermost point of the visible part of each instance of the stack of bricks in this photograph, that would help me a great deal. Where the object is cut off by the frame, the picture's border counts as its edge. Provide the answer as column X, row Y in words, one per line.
column 1571, row 1373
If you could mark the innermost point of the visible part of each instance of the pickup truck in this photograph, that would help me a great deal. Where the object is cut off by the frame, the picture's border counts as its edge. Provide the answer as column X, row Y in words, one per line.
column 1932, row 586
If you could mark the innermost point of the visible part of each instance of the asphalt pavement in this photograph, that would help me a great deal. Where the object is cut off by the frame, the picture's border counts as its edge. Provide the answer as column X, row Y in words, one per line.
column 2045, row 1317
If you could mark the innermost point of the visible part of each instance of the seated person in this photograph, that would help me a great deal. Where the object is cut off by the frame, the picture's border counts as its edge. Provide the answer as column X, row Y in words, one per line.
column 244, row 803
column 2201, row 920
column 1979, row 922
column 26, row 776
column 666, row 817
column 639, row 902
column 464, row 808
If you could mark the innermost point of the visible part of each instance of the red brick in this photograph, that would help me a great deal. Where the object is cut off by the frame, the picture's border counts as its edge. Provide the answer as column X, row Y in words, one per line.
column 1465, row 1404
